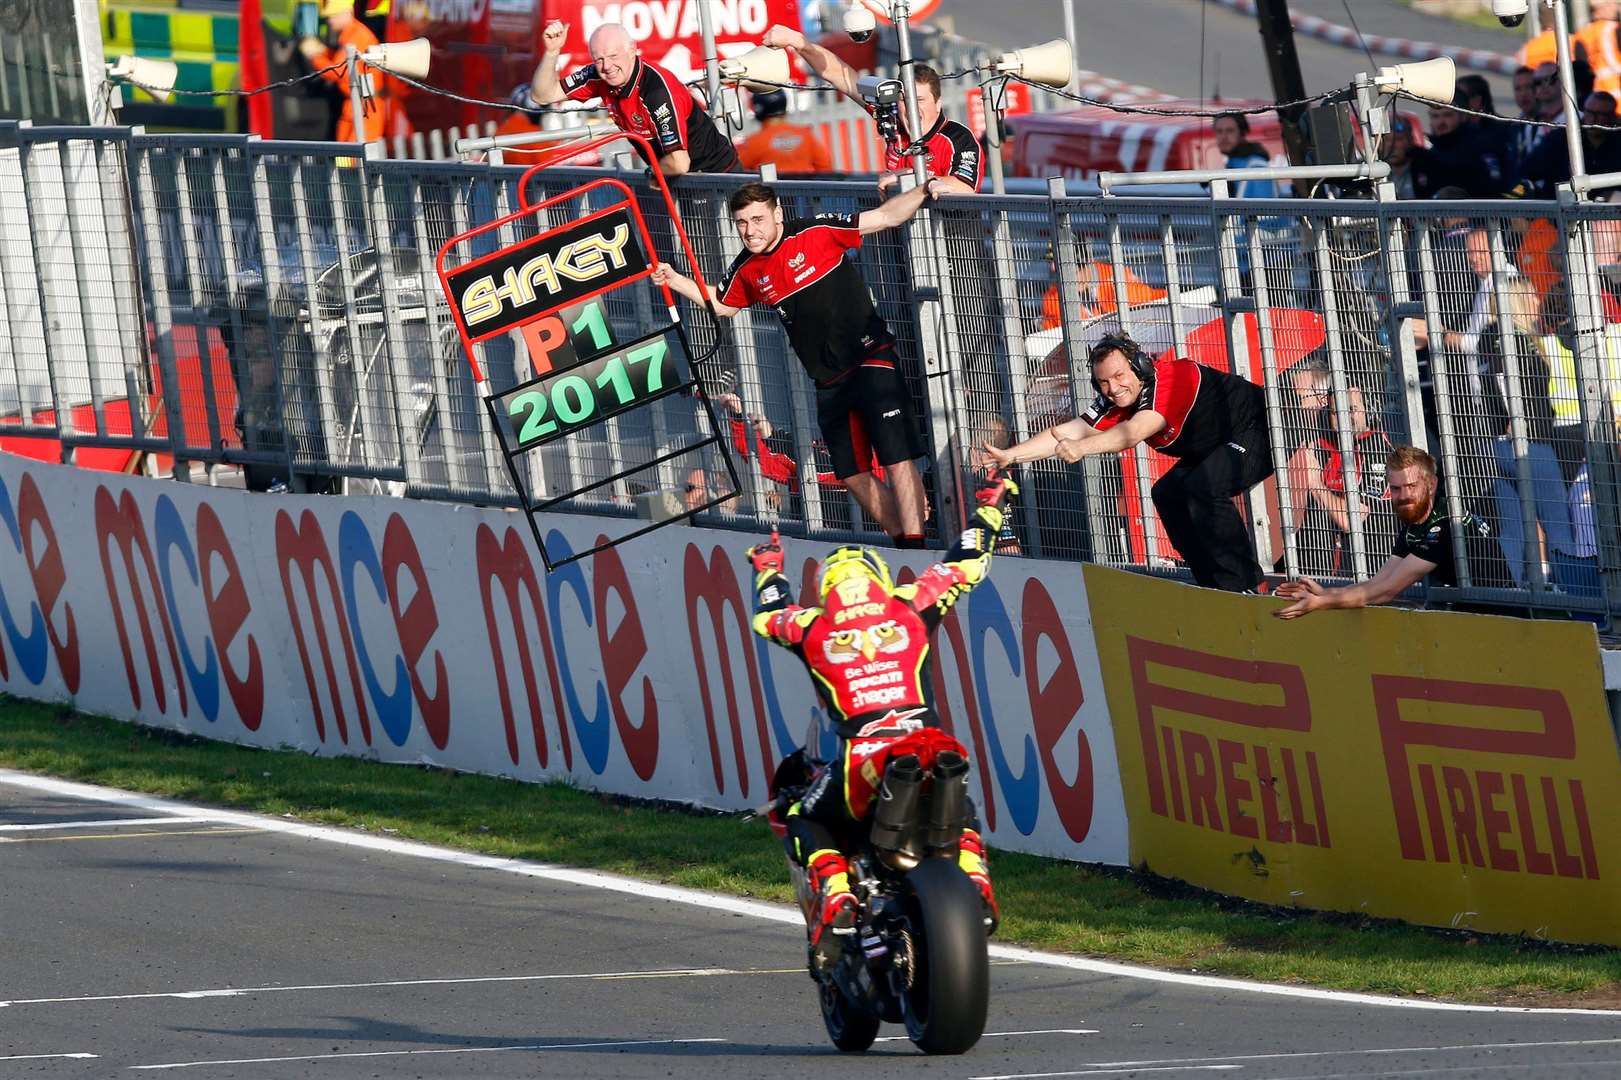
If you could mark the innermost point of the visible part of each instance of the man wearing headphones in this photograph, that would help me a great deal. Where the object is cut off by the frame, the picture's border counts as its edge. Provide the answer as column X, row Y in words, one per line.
column 792, row 148
column 1213, row 423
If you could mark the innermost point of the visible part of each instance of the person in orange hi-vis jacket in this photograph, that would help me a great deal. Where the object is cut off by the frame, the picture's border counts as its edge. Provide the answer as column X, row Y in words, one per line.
column 790, row 147
column 341, row 21
column 1098, row 294
column 1598, row 42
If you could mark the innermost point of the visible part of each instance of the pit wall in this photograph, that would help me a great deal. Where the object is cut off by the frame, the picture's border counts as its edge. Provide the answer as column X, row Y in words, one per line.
column 430, row 633
column 1442, row 768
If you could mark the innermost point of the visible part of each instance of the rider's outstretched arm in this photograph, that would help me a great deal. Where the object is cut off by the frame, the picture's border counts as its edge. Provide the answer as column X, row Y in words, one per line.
column 968, row 562
column 776, row 617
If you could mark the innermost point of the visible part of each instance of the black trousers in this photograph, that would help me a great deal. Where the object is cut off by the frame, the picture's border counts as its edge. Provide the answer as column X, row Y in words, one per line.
column 1195, row 504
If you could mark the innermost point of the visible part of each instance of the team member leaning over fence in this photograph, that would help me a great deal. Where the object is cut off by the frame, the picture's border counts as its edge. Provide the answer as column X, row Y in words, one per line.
column 950, row 150
column 1423, row 546
column 641, row 97
column 801, row 266
column 1213, row 423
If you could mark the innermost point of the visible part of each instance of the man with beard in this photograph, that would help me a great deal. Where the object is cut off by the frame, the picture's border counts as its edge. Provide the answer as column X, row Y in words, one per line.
column 1423, row 546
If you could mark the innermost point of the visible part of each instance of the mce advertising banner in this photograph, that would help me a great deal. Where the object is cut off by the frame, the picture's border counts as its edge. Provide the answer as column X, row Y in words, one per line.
column 422, row 632
column 1442, row 768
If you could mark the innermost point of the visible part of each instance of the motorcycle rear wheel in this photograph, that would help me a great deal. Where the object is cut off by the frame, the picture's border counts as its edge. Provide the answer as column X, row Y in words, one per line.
column 851, row 1027
column 945, row 1003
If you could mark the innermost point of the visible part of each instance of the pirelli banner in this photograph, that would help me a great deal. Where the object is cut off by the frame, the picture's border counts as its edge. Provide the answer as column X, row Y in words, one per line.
column 1441, row 768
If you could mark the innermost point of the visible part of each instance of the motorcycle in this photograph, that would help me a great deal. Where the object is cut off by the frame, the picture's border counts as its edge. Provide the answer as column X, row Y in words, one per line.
column 918, row 953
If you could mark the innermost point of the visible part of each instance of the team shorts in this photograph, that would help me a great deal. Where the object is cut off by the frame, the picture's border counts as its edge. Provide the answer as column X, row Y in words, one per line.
column 868, row 414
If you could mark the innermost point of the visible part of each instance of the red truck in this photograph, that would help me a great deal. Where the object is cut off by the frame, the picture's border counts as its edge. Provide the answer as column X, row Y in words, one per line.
column 1081, row 143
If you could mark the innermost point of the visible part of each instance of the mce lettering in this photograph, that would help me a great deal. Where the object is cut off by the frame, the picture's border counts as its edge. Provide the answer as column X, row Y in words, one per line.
column 551, row 277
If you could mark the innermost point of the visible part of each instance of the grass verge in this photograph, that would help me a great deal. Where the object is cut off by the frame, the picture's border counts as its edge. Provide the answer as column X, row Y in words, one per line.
column 1047, row 903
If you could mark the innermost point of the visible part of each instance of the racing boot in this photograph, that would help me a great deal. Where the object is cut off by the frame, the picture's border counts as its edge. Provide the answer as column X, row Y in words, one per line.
column 834, row 921
column 971, row 860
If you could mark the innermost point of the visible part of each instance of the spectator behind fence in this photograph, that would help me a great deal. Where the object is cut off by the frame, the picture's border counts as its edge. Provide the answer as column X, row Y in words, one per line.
column 1507, row 346
column 1232, row 132
column 793, row 148
column 1453, row 350
column 1524, row 135
column 1549, row 164
column 1422, row 549
column 1397, row 151
column 1558, row 343
column 1460, row 153
column 1318, row 475
column 1212, row 423
column 1476, row 95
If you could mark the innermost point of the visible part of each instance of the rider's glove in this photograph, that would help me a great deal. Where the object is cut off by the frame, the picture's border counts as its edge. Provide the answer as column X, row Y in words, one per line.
column 766, row 558
column 996, row 490
column 994, row 496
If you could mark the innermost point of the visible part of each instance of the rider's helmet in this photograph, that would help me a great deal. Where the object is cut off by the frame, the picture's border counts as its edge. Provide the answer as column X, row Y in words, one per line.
column 848, row 563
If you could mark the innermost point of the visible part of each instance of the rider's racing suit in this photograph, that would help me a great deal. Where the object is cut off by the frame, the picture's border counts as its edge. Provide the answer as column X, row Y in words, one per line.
column 868, row 651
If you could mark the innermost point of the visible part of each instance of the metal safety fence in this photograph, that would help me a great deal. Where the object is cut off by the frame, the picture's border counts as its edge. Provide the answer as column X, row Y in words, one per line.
column 271, row 310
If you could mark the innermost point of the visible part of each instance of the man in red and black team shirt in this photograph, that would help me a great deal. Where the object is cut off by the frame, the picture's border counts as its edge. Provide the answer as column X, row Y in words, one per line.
column 641, row 97
column 801, row 267
column 1213, row 423
column 951, row 151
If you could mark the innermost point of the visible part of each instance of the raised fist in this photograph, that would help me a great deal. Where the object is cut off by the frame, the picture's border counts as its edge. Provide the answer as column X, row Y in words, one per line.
column 766, row 558
column 552, row 37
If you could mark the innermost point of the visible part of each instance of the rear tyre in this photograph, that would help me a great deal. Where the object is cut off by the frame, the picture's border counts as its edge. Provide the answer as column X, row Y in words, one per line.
column 944, row 1006
column 851, row 1028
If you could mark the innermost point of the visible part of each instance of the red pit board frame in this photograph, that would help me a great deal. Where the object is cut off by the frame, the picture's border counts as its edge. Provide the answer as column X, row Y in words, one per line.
column 526, row 210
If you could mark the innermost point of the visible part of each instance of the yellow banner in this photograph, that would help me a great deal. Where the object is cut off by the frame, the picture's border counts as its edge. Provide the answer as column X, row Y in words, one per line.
column 1437, row 767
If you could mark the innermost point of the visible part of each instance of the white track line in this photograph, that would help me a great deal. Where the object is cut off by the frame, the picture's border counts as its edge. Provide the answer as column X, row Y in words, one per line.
column 1472, row 1070
column 44, row 1057
column 1103, row 1071
column 1188, row 1063
column 448, row 1050
column 1007, row 1034
column 715, row 902
column 105, row 823
column 244, row 991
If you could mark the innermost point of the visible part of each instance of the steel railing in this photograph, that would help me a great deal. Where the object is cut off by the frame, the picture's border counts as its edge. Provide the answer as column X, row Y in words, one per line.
column 220, row 302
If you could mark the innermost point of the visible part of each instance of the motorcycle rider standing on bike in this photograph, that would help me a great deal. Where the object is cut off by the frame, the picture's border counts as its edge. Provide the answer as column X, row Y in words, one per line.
column 868, row 648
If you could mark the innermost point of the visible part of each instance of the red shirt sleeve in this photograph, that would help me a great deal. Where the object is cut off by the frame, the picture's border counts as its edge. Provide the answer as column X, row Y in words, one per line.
column 583, row 84
column 735, row 290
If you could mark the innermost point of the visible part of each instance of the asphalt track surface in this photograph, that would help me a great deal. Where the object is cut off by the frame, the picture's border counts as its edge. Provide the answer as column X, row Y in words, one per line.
column 1158, row 42
column 145, row 938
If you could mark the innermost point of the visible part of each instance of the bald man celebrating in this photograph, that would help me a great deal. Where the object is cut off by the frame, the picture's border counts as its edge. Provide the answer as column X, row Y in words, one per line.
column 643, row 98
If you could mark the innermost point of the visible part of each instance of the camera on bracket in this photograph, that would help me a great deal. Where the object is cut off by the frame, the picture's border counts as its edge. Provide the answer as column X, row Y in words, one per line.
column 1510, row 13
column 884, row 96
column 859, row 22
